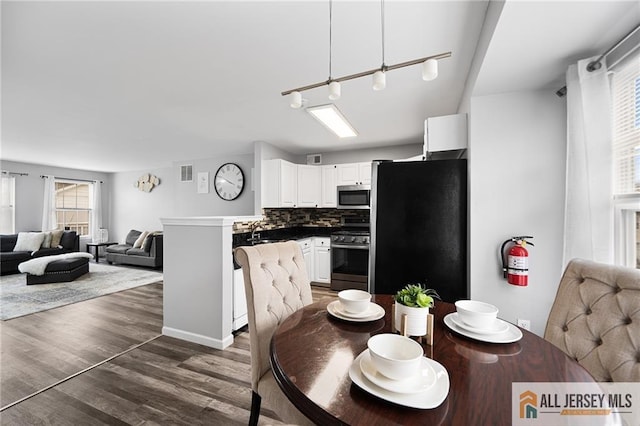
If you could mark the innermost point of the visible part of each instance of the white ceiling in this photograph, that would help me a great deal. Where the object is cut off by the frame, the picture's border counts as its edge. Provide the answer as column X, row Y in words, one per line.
column 115, row 86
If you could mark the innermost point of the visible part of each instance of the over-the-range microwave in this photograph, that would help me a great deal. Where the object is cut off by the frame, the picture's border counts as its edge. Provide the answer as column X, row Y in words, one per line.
column 354, row 196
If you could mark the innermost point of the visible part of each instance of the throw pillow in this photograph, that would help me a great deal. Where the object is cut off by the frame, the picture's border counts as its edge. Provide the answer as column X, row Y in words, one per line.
column 46, row 243
column 146, row 245
column 29, row 241
column 140, row 239
column 56, row 234
column 132, row 236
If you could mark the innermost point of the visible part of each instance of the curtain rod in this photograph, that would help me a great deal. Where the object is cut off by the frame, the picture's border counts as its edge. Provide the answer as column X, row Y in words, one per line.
column 79, row 180
column 594, row 65
column 6, row 172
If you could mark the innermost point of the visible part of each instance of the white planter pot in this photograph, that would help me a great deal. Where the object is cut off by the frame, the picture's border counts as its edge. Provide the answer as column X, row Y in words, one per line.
column 416, row 319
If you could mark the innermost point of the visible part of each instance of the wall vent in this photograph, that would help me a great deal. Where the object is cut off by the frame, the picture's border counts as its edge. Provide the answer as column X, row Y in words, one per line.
column 186, row 173
column 314, row 159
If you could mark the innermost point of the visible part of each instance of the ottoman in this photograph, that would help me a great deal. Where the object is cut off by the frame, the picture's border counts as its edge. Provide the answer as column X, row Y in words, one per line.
column 63, row 270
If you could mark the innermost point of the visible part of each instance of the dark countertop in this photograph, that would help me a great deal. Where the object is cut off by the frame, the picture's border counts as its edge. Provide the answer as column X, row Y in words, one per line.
column 284, row 234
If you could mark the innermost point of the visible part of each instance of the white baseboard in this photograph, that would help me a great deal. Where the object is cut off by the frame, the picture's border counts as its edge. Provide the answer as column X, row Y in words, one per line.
column 198, row 338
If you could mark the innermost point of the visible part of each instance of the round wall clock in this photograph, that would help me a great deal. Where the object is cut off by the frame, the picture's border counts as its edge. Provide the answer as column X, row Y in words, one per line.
column 229, row 181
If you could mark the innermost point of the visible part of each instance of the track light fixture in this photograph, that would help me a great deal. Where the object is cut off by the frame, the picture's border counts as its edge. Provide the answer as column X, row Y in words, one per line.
column 429, row 69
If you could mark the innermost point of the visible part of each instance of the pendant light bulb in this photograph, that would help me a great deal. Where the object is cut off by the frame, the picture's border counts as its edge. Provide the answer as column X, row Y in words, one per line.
column 334, row 90
column 295, row 100
column 429, row 69
column 379, row 80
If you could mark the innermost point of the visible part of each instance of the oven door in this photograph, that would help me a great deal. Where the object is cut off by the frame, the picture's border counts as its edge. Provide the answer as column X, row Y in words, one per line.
column 349, row 266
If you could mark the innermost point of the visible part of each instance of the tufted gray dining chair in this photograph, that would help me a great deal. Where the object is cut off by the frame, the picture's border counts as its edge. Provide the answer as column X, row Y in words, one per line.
column 276, row 285
column 595, row 319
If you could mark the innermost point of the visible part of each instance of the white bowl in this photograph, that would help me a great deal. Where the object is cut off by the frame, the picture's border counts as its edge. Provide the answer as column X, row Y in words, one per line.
column 354, row 301
column 476, row 314
column 395, row 356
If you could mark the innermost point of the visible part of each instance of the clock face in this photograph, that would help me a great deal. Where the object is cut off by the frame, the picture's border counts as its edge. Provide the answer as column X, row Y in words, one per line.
column 229, row 181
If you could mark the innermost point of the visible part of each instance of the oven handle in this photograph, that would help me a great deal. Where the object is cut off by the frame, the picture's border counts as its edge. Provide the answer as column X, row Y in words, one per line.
column 351, row 246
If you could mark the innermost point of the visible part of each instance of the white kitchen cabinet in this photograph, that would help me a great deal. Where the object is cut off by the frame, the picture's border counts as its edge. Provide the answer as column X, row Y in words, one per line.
column 354, row 174
column 239, row 300
column 364, row 169
column 309, row 186
column 280, row 185
column 329, row 186
column 322, row 260
column 446, row 133
column 306, row 244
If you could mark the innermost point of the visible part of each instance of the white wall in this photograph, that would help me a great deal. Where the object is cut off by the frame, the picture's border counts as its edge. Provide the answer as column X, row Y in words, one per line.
column 396, row 152
column 134, row 209
column 189, row 202
column 516, row 185
column 30, row 191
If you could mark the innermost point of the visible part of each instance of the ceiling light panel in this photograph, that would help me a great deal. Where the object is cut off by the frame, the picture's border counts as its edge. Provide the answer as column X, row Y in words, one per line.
column 332, row 118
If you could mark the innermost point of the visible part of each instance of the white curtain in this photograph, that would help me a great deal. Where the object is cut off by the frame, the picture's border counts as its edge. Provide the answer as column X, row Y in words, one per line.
column 588, row 222
column 49, row 219
column 7, row 205
column 96, row 211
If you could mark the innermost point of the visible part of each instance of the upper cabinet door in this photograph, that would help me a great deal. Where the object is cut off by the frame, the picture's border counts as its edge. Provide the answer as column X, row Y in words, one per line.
column 309, row 185
column 280, row 185
column 354, row 174
column 289, row 184
column 348, row 174
column 329, row 186
column 364, row 170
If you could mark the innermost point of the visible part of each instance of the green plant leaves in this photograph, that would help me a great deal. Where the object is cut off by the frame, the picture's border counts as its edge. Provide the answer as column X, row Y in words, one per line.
column 416, row 296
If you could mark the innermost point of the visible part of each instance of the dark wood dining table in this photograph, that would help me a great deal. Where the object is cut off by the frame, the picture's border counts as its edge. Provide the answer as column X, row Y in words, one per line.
column 311, row 353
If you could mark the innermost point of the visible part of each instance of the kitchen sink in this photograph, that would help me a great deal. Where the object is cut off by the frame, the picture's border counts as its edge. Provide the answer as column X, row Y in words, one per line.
column 265, row 241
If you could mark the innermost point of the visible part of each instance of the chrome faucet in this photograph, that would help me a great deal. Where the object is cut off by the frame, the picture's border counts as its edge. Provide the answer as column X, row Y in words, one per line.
column 254, row 235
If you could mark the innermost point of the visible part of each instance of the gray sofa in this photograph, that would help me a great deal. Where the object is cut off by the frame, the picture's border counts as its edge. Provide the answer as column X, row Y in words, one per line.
column 10, row 259
column 148, row 254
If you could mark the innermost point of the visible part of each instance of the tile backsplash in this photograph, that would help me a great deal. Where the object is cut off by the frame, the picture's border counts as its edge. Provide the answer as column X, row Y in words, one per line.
column 289, row 218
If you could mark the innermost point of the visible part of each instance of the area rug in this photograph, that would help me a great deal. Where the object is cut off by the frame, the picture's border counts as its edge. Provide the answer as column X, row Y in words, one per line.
column 18, row 299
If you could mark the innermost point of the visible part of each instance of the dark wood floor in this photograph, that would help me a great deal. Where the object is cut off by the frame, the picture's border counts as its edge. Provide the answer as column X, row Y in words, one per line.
column 164, row 381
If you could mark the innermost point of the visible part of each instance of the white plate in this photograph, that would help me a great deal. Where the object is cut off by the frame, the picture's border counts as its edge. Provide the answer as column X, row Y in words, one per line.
column 513, row 333
column 420, row 382
column 370, row 311
column 431, row 398
column 374, row 312
column 498, row 326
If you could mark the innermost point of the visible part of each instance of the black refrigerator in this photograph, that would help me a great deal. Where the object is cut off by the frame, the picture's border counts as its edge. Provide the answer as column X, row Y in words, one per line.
column 419, row 227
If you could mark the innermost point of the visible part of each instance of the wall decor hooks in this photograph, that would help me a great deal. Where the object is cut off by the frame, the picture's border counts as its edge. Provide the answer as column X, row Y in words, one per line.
column 146, row 182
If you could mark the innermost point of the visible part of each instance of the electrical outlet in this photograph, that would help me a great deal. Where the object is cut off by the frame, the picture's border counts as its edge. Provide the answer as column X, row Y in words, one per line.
column 524, row 323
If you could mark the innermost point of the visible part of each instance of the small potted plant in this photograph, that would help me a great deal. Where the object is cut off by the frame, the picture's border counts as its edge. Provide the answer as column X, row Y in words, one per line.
column 414, row 301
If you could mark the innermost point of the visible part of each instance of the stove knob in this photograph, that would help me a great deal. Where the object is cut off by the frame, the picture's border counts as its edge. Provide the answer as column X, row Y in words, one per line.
column 365, row 240
column 341, row 238
column 352, row 239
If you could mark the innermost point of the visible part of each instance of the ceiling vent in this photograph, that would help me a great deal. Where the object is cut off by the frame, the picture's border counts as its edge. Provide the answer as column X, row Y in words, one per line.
column 314, row 159
column 186, row 173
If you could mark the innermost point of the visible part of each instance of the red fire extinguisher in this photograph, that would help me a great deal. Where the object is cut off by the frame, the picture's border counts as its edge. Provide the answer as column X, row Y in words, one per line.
column 515, row 268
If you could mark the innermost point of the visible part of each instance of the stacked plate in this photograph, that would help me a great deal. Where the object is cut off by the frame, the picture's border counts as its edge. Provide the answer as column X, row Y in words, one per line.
column 427, row 389
column 372, row 313
column 478, row 320
column 356, row 306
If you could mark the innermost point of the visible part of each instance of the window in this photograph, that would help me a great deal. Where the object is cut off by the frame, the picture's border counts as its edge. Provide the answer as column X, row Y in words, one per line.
column 7, row 205
column 73, row 207
column 625, row 86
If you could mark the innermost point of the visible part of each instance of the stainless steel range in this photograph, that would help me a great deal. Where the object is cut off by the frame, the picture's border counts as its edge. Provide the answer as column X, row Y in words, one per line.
column 350, row 255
